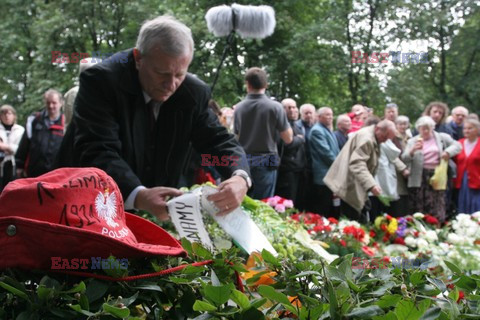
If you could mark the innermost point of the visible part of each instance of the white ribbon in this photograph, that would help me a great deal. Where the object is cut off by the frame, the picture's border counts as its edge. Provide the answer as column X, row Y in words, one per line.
column 186, row 215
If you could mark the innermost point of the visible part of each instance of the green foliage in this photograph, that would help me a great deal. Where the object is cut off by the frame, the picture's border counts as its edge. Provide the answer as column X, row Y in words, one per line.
column 308, row 57
column 303, row 289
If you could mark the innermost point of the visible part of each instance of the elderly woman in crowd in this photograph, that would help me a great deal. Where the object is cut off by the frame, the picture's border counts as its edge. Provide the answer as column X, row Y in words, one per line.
column 402, row 123
column 10, row 136
column 422, row 154
column 468, row 168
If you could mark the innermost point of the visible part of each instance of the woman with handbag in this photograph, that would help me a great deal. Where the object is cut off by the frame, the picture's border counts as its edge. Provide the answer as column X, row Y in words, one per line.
column 10, row 136
column 423, row 154
column 468, row 168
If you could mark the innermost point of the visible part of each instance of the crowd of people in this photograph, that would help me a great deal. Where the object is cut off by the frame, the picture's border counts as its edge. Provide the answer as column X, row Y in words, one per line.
column 139, row 121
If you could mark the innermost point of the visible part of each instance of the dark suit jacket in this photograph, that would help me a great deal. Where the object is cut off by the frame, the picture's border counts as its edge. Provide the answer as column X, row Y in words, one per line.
column 111, row 128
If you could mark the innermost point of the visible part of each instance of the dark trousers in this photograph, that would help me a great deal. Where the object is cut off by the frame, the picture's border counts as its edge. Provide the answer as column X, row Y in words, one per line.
column 7, row 175
column 264, row 179
column 305, row 193
column 352, row 214
column 323, row 201
column 287, row 185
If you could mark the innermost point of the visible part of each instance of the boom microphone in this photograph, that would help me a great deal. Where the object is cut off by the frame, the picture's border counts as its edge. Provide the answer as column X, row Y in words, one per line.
column 256, row 22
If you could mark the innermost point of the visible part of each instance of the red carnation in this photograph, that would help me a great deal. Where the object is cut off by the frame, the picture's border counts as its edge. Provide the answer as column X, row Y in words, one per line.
column 368, row 251
column 372, row 233
column 461, row 295
column 333, row 220
column 399, row 241
column 343, row 243
column 431, row 219
column 385, row 238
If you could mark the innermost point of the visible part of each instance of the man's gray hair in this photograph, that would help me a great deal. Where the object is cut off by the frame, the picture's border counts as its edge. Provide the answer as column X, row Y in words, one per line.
column 402, row 119
column 322, row 110
column 425, row 121
column 391, row 105
column 307, row 106
column 460, row 108
column 385, row 125
column 342, row 117
column 170, row 35
column 50, row 92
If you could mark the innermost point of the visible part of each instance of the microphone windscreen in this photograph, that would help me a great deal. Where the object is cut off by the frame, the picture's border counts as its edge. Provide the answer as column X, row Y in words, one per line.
column 219, row 20
column 256, row 22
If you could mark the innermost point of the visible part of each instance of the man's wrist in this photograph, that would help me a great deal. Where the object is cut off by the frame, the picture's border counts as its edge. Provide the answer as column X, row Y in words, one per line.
column 243, row 174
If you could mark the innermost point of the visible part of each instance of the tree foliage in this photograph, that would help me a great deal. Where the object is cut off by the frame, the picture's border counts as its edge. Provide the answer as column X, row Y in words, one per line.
column 308, row 57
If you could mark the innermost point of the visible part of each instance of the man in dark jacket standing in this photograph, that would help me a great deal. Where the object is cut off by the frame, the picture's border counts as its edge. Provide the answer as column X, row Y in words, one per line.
column 136, row 113
column 42, row 138
column 292, row 156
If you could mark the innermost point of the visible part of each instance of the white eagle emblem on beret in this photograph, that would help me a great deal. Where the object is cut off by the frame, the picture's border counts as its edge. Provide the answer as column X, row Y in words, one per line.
column 106, row 206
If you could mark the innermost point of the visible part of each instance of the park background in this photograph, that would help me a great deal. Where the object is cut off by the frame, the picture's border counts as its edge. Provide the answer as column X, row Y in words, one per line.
column 308, row 57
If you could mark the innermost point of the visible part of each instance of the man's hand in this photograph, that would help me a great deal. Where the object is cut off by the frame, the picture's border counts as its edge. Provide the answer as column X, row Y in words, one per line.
column 376, row 191
column 445, row 156
column 230, row 194
column 406, row 173
column 154, row 200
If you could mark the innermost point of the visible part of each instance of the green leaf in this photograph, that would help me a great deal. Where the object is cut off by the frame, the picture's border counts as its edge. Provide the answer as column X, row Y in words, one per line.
column 96, row 289
column 270, row 258
column 406, row 310
column 218, row 294
column 129, row 301
column 416, row 278
column 15, row 291
column 115, row 311
column 151, row 287
column 200, row 251
column 270, row 293
column 466, row 283
column 45, row 293
column 305, row 274
column 193, row 269
column 353, row 286
column 380, row 291
column 438, row 284
column 240, row 299
column 49, row 282
column 431, row 314
column 257, row 303
column 78, row 288
column 388, row 301
column 79, row 309
column 252, row 314
column 333, row 301
column 84, row 303
column 203, row 306
column 453, row 267
column 187, row 245
column 388, row 316
column 423, row 305
column 454, row 294
column 366, row 313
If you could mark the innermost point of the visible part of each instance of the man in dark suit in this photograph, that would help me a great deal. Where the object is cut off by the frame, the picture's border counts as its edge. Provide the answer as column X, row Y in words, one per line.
column 136, row 113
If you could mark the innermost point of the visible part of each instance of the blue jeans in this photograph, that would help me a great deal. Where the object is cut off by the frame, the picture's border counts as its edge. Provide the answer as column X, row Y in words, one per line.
column 264, row 179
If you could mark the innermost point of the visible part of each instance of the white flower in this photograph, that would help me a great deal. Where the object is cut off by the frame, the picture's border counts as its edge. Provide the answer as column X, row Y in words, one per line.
column 476, row 215
column 454, row 238
column 410, row 241
column 418, row 215
column 422, row 243
column 431, row 236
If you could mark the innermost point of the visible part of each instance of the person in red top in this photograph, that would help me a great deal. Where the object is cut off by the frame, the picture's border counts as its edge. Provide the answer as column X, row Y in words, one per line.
column 356, row 116
column 468, row 168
